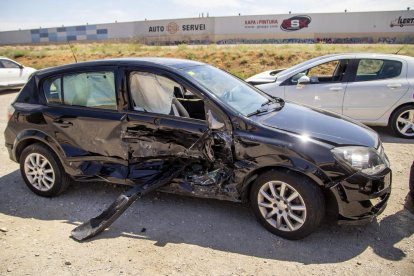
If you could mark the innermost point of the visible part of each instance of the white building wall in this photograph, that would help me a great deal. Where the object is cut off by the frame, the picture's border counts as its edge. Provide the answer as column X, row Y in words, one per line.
column 15, row 37
column 352, row 27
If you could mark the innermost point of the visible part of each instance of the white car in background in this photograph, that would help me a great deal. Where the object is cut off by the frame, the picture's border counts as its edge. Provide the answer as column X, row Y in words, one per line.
column 13, row 74
column 375, row 89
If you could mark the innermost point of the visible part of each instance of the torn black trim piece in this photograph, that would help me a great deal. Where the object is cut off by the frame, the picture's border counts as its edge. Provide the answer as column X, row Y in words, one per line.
column 98, row 224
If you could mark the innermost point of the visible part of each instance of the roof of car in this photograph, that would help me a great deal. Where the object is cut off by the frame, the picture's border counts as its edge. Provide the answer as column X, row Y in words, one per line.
column 366, row 55
column 154, row 61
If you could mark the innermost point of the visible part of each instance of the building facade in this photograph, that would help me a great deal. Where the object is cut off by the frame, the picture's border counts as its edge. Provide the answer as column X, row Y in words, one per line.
column 346, row 27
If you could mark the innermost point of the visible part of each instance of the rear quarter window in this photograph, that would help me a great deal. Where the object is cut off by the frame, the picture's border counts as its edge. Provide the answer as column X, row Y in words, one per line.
column 52, row 89
column 377, row 69
column 9, row 64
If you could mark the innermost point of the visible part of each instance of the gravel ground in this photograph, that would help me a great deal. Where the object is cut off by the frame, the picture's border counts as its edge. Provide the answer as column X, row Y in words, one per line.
column 167, row 234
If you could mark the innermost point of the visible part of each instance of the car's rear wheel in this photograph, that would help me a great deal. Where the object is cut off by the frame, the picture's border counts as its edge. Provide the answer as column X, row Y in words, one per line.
column 42, row 171
column 287, row 204
column 402, row 122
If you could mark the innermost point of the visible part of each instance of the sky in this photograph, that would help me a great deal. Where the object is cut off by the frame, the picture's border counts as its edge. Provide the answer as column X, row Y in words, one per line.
column 26, row 14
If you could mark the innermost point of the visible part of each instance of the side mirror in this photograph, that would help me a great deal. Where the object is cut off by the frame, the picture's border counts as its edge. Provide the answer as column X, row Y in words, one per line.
column 213, row 123
column 304, row 80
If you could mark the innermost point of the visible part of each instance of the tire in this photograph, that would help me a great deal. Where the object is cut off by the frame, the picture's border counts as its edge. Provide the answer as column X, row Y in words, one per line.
column 309, row 204
column 42, row 171
column 403, row 117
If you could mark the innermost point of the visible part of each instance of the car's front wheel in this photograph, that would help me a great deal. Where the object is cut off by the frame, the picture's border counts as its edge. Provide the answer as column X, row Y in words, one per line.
column 287, row 204
column 402, row 122
column 42, row 171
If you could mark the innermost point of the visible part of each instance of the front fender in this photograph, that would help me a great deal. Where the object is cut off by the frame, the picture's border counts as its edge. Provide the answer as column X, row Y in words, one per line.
column 246, row 172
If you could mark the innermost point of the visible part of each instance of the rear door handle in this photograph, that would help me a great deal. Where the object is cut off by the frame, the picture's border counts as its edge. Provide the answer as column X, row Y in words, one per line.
column 62, row 123
column 394, row 85
column 336, row 88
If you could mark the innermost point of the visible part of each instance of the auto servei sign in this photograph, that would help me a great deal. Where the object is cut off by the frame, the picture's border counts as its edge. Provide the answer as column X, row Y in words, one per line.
column 173, row 27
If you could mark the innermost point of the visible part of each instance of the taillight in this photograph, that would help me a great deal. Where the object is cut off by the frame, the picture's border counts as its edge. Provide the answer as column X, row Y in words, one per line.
column 10, row 112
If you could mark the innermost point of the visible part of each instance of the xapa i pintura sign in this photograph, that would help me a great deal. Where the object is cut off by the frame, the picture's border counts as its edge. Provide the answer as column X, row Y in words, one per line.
column 261, row 23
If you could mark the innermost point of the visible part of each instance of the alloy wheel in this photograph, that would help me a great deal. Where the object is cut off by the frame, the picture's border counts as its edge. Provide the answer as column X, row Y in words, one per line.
column 282, row 206
column 39, row 172
column 405, row 123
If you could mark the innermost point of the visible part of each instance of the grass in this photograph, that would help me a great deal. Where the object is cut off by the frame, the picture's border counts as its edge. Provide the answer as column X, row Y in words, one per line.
column 241, row 60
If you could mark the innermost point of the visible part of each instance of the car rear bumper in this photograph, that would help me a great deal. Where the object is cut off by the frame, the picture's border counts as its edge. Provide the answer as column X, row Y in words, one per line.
column 9, row 138
column 361, row 197
column 10, row 151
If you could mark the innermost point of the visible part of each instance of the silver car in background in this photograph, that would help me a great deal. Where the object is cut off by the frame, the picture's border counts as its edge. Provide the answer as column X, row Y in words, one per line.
column 375, row 89
column 13, row 74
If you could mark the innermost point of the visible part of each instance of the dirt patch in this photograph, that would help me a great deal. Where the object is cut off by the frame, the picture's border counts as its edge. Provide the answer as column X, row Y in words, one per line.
column 241, row 60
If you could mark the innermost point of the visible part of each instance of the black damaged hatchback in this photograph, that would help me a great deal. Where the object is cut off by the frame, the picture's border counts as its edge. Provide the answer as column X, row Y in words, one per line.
column 189, row 128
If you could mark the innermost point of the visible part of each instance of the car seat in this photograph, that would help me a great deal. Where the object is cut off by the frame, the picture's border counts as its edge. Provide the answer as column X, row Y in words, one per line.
column 177, row 109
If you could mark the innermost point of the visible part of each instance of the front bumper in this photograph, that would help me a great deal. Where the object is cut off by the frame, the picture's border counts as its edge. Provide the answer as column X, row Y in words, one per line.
column 361, row 197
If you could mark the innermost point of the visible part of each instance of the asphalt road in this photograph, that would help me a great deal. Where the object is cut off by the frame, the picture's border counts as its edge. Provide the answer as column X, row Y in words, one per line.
column 167, row 234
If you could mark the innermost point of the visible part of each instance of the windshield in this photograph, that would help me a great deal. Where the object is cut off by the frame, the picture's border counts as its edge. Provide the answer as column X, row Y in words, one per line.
column 228, row 88
column 299, row 65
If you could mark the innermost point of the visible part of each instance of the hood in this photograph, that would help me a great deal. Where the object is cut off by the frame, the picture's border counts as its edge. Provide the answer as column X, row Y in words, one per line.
column 320, row 125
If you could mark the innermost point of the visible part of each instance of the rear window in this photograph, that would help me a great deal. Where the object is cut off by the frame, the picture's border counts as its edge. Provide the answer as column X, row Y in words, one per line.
column 377, row 69
column 92, row 89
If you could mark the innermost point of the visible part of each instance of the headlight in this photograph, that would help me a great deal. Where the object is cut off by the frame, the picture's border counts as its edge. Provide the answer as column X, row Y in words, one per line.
column 366, row 160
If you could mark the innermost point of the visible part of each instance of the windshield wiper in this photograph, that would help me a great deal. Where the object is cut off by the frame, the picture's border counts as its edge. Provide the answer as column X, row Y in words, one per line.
column 258, row 111
column 262, row 110
column 274, row 100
